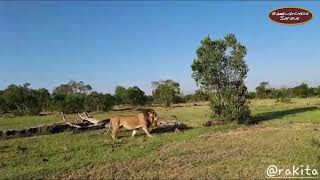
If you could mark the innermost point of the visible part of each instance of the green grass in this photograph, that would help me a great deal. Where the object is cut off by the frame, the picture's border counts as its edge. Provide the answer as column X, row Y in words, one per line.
column 287, row 134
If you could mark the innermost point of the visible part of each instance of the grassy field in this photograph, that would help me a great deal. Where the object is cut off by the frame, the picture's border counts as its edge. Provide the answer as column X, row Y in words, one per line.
column 286, row 135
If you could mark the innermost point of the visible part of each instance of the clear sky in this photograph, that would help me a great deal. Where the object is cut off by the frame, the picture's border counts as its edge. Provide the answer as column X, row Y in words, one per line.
column 133, row 43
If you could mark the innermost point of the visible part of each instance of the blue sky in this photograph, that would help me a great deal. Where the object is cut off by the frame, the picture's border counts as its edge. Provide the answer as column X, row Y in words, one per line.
column 133, row 43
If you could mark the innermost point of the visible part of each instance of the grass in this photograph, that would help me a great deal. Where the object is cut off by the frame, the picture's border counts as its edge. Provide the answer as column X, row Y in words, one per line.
column 286, row 134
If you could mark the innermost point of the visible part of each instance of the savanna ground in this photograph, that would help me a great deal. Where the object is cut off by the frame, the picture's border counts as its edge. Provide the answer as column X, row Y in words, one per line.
column 286, row 135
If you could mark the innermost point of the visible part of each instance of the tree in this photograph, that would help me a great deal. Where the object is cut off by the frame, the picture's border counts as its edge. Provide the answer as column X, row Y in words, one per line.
column 58, row 102
column 79, row 87
column 302, row 90
column 73, row 87
column 21, row 99
column 136, row 97
column 43, row 98
column 166, row 92
column 220, row 70
column 71, row 97
column 63, row 89
column 74, row 103
column 108, row 102
column 3, row 105
column 98, row 101
column 120, row 95
column 94, row 101
column 263, row 90
column 14, row 97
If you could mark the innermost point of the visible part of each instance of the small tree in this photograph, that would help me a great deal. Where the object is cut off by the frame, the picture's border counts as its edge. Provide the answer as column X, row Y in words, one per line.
column 108, row 102
column 166, row 92
column 43, row 96
column 21, row 99
column 302, row 90
column 73, row 87
column 136, row 97
column 121, row 95
column 98, row 101
column 74, row 103
column 220, row 70
column 263, row 90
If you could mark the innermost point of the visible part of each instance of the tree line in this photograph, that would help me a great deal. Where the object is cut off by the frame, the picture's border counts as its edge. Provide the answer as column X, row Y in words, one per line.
column 303, row 90
column 77, row 96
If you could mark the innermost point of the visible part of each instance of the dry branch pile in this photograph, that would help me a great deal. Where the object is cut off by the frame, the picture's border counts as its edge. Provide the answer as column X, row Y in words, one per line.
column 85, row 123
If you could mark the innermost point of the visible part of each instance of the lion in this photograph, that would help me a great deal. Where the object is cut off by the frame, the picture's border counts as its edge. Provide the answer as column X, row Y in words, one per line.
column 132, row 122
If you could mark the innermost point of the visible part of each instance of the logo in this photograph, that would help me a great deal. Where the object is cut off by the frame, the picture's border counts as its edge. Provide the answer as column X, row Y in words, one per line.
column 290, row 15
column 302, row 171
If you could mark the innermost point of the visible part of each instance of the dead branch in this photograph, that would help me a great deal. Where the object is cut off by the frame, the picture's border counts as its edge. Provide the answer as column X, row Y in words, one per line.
column 63, row 117
column 85, row 117
column 70, row 124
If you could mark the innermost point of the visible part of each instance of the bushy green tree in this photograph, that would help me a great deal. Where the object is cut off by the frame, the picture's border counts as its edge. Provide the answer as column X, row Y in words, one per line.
column 21, row 99
column 108, row 101
column 71, row 97
column 72, row 87
column 220, row 70
column 58, row 102
column 43, row 96
column 74, row 103
column 99, row 102
column 136, row 97
column 121, row 95
column 303, row 91
column 14, row 96
column 166, row 92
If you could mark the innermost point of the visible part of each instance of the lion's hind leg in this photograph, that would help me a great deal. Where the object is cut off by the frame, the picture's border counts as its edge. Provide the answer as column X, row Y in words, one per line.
column 134, row 132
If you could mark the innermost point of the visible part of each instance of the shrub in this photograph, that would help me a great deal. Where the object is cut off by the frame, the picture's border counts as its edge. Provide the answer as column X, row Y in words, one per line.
column 220, row 70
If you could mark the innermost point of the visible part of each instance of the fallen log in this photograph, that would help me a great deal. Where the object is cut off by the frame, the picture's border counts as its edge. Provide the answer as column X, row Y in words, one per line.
column 169, row 126
column 86, row 123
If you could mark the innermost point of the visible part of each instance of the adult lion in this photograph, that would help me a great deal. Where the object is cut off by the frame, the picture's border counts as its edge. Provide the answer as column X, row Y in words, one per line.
column 142, row 120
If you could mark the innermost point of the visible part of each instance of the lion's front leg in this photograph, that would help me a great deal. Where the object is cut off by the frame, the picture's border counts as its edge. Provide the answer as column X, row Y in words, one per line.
column 145, row 129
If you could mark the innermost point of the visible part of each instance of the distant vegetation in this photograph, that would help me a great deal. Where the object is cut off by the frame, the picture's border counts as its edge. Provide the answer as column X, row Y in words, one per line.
column 78, row 96
column 264, row 90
